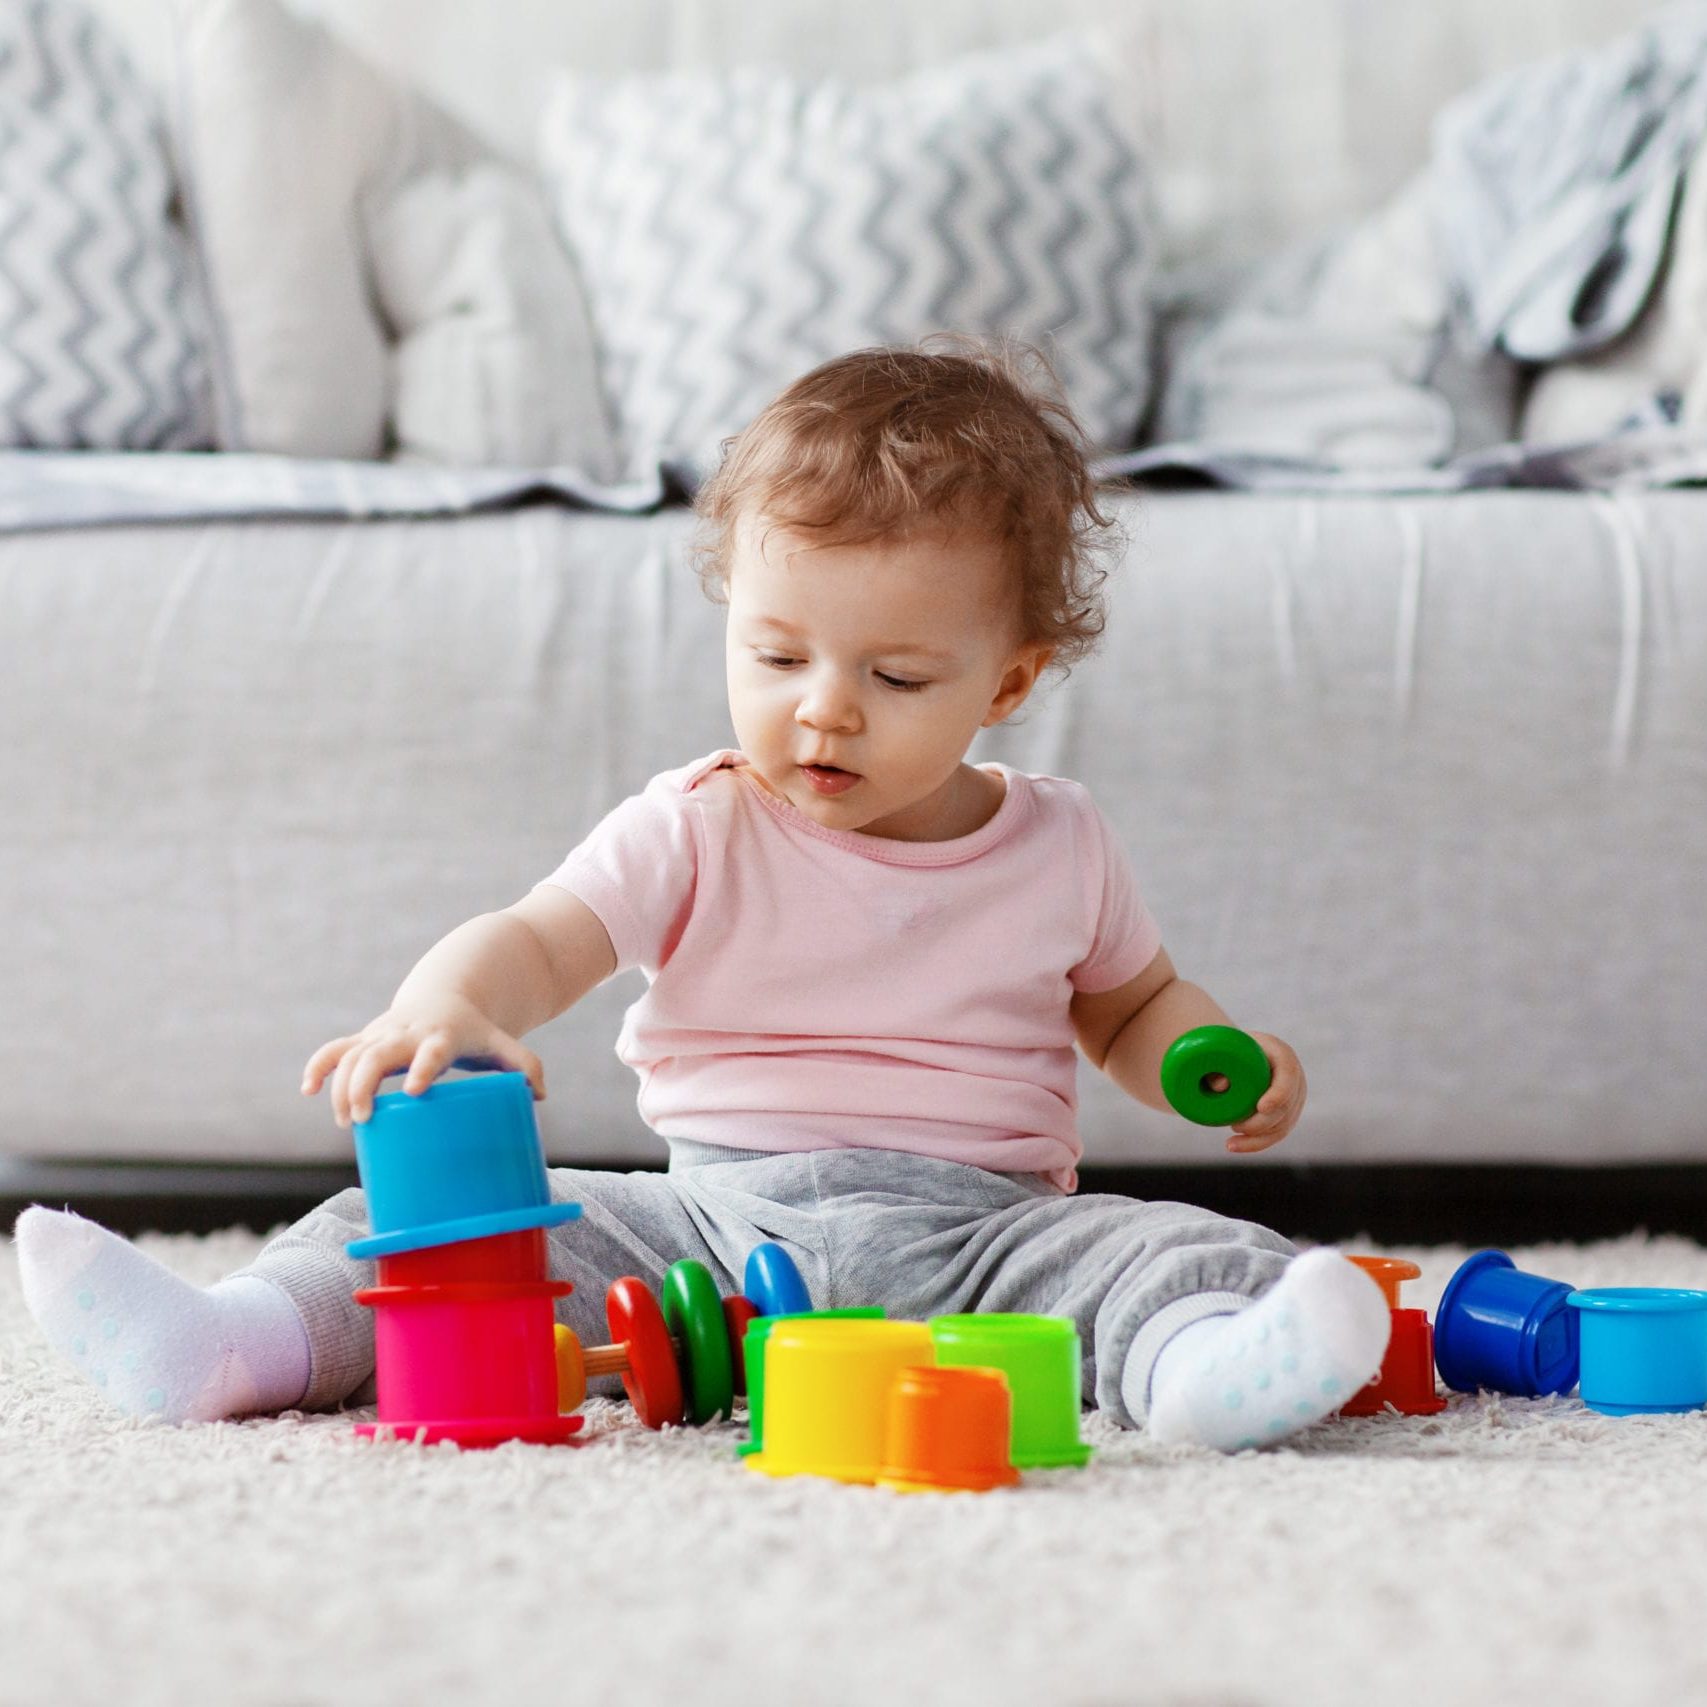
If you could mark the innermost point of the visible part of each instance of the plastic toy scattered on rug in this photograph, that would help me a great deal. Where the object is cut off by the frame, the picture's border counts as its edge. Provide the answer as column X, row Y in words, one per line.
column 467, row 1347
column 1406, row 1381
column 1501, row 1329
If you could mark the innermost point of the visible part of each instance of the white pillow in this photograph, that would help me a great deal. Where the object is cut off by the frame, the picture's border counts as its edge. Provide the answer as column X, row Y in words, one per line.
column 102, row 344
column 1339, row 350
column 734, row 229
column 493, row 360
column 296, row 151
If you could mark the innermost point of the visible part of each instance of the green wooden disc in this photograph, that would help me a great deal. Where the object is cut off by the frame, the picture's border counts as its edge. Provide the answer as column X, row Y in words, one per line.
column 693, row 1312
column 1190, row 1067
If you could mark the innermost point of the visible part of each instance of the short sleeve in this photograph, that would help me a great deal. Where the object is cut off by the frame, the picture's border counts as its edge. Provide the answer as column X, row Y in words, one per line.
column 1125, row 937
column 637, row 870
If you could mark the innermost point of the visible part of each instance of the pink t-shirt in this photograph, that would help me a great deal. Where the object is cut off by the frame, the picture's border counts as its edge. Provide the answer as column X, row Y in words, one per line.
column 810, row 988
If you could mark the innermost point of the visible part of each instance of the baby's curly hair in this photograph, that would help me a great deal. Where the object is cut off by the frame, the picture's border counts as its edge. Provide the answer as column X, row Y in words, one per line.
column 956, row 430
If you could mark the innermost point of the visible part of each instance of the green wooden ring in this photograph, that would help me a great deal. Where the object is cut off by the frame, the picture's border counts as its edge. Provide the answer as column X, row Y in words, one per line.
column 693, row 1312
column 1210, row 1049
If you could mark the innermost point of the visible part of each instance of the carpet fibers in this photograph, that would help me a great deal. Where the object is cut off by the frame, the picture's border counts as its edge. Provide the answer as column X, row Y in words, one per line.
column 1505, row 1551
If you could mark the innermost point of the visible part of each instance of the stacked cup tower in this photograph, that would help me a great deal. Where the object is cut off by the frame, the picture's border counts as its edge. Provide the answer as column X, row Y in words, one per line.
column 463, row 1301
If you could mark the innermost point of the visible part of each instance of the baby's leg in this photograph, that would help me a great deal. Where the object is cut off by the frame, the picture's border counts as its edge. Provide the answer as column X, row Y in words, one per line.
column 155, row 1345
column 1200, row 1327
column 286, row 1332
column 630, row 1223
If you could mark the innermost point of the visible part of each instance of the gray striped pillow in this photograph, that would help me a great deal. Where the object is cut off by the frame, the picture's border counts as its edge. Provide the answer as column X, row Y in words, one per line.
column 735, row 229
column 99, row 338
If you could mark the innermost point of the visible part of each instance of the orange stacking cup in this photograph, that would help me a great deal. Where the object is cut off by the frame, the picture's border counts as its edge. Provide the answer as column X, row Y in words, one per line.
column 948, row 1431
column 1406, row 1381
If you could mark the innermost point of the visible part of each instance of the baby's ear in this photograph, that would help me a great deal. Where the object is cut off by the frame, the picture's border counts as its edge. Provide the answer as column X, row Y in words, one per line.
column 1018, row 680
column 1032, row 658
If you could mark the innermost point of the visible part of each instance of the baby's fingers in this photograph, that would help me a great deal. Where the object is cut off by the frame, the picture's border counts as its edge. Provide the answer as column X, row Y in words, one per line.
column 322, row 1061
column 359, row 1074
column 525, row 1061
column 378, row 1060
column 1263, row 1125
column 431, row 1059
column 503, row 1052
column 1247, row 1144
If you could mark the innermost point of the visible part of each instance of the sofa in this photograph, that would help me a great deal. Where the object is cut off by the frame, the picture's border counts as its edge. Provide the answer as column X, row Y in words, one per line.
column 1418, row 781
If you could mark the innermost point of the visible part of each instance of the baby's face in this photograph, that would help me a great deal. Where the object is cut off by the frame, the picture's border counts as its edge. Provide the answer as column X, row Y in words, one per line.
column 881, row 660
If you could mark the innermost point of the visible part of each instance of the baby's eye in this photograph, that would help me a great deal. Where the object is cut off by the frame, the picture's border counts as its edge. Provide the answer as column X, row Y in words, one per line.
column 775, row 661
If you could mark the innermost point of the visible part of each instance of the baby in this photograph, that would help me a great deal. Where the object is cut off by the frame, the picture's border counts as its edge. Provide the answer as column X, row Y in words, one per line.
column 867, row 966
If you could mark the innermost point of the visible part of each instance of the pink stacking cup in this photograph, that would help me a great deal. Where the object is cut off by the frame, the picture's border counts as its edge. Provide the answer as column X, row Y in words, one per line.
column 469, row 1362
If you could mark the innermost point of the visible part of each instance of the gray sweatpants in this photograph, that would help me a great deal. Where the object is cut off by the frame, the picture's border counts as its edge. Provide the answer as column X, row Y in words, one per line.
column 918, row 1236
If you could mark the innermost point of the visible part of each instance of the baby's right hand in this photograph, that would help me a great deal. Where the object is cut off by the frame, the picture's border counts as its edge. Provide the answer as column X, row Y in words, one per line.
column 424, row 1038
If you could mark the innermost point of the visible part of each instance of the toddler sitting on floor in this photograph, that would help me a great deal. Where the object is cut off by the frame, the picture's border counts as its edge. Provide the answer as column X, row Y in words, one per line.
column 867, row 964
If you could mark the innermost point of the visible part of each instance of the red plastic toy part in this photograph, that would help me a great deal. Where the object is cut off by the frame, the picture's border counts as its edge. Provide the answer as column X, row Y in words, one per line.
column 1406, row 1381
column 737, row 1313
column 652, row 1380
column 683, row 1357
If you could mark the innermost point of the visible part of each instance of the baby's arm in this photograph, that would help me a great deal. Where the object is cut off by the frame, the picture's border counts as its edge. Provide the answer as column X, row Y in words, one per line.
column 1127, row 1030
column 472, row 995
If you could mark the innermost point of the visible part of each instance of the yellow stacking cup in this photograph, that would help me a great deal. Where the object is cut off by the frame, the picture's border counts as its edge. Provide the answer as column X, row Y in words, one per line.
column 827, row 1386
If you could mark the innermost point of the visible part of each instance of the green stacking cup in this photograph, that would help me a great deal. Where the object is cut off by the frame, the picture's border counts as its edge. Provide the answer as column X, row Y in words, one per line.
column 1040, row 1357
column 753, row 1352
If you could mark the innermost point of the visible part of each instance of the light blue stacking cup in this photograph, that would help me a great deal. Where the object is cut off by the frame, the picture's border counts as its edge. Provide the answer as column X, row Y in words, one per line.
column 1644, row 1348
column 460, row 1161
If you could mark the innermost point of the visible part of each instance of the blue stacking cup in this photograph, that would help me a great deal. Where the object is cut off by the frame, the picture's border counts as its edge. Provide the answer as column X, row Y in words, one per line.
column 460, row 1161
column 1644, row 1349
column 1505, row 1330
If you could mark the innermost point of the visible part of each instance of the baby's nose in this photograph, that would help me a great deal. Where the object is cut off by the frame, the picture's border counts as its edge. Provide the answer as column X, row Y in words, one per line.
column 828, row 708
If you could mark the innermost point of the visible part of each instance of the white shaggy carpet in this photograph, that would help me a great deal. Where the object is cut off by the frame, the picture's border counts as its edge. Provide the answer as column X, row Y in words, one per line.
column 1506, row 1551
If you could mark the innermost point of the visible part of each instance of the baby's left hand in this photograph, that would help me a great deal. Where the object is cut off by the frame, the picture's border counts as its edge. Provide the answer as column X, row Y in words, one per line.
column 1277, row 1113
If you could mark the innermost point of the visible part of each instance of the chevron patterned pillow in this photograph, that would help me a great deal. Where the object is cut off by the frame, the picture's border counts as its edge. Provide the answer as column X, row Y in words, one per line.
column 735, row 229
column 99, row 338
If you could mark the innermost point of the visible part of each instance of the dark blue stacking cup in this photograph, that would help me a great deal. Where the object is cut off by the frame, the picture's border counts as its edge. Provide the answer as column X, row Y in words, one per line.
column 1505, row 1330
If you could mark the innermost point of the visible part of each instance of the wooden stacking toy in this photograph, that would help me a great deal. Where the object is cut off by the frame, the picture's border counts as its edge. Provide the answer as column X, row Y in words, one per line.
column 678, row 1360
column 686, row 1356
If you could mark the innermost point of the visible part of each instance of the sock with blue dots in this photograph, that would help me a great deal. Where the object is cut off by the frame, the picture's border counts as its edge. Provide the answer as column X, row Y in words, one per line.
column 1293, row 1357
column 155, row 1345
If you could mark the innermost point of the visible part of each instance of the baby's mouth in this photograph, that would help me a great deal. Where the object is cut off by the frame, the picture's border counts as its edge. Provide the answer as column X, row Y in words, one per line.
column 829, row 779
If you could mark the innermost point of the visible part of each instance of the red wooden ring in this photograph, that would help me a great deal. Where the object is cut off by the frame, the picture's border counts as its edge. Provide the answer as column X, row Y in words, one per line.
column 737, row 1313
column 653, row 1381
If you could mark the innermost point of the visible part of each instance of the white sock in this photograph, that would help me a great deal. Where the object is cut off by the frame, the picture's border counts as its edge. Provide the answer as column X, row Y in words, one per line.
column 1293, row 1357
column 155, row 1345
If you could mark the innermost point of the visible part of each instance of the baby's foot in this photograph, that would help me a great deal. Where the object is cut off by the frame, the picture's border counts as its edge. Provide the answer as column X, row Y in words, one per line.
column 1295, row 1356
column 155, row 1345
